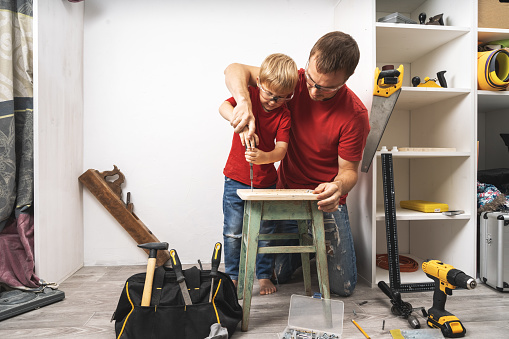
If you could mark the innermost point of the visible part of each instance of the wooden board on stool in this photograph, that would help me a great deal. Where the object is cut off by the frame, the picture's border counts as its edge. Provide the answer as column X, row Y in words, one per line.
column 276, row 194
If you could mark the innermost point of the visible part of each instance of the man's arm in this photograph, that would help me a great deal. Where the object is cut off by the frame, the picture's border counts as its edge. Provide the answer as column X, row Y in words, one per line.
column 226, row 111
column 237, row 78
column 329, row 193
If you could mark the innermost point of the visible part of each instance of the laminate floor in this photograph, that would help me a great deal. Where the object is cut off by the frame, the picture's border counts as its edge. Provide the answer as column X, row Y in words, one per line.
column 92, row 294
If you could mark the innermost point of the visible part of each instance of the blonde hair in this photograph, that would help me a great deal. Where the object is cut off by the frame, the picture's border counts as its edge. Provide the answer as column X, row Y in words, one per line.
column 279, row 73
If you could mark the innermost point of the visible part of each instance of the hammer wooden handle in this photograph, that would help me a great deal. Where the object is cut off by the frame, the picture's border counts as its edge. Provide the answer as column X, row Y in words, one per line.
column 149, row 280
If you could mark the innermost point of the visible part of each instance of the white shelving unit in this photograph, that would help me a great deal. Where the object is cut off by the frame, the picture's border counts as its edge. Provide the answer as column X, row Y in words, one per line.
column 423, row 117
column 415, row 97
column 493, row 114
column 410, row 42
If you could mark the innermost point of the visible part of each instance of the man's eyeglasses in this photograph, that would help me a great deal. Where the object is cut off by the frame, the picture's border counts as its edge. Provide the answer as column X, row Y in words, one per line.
column 322, row 89
column 269, row 96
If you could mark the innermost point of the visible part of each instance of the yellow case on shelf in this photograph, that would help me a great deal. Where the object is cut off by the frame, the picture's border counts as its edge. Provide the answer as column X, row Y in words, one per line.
column 424, row 206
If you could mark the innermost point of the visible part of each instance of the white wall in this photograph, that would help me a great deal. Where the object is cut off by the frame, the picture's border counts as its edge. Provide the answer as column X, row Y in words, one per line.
column 360, row 204
column 58, row 138
column 153, row 81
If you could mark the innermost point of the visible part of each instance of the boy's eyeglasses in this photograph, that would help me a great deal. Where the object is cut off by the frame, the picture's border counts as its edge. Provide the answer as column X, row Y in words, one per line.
column 269, row 96
column 312, row 83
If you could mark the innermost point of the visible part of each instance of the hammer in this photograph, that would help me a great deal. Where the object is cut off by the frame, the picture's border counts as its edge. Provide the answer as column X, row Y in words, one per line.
column 151, row 266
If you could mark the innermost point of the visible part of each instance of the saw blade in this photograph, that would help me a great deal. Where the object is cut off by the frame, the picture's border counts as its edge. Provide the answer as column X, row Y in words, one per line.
column 381, row 111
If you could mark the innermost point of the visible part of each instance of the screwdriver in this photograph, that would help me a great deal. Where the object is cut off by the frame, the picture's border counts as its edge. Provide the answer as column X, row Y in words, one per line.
column 251, row 175
column 216, row 260
column 250, row 172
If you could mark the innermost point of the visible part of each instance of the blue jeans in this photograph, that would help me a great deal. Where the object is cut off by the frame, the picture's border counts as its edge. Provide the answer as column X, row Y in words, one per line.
column 233, row 211
column 340, row 252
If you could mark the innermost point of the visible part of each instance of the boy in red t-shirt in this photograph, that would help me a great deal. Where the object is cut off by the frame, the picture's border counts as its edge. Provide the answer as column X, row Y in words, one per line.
column 275, row 85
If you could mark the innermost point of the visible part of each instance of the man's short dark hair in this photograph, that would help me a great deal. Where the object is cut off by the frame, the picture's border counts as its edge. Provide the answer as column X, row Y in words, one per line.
column 336, row 51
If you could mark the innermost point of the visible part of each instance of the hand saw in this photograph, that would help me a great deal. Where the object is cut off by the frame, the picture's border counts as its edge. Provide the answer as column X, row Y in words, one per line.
column 385, row 94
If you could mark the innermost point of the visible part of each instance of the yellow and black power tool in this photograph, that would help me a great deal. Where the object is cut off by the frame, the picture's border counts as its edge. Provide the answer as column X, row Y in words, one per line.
column 446, row 279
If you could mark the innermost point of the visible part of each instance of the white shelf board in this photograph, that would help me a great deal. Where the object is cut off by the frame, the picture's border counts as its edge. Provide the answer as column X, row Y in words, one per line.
column 406, row 214
column 416, row 97
column 406, row 277
column 409, row 155
column 491, row 34
column 488, row 101
column 409, row 42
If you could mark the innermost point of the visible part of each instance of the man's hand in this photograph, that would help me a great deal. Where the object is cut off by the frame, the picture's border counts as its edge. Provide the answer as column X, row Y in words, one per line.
column 243, row 117
column 237, row 78
column 329, row 194
column 249, row 142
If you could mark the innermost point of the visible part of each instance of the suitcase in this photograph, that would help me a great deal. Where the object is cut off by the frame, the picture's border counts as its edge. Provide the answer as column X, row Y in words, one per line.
column 494, row 250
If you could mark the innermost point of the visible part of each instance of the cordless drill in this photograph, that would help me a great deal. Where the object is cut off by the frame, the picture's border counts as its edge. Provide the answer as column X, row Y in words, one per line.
column 446, row 279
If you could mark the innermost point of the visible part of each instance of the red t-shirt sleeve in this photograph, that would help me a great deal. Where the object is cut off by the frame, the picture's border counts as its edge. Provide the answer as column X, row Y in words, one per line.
column 232, row 101
column 353, row 137
column 283, row 131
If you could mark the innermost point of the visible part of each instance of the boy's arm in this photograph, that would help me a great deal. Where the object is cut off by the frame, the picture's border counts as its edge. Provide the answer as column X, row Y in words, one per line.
column 259, row 157
column 279, row 151
column 237, row 78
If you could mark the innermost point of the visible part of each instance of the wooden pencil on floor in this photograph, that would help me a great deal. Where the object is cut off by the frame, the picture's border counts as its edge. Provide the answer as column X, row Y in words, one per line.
column 360, row 329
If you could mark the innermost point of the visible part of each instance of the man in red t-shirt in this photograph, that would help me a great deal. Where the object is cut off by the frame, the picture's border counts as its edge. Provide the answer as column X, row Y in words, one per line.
column 329, row 130
column 275, row 86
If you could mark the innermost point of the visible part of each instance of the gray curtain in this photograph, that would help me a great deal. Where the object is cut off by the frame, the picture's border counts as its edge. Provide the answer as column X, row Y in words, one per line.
column 16, row 108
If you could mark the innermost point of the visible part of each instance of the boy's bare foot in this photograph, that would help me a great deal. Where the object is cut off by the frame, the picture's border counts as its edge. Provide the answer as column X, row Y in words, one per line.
column 235, row 283
column 266, row 286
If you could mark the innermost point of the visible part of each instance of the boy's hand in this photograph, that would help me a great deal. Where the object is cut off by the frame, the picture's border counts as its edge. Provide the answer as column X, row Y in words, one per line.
column 243, row 117
column 256, row 156
column 250, row 142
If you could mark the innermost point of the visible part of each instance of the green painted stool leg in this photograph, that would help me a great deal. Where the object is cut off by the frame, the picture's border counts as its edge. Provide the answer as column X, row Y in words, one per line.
column 321, row 254
column 251, row 252
column 273, row 210
column 306, row 270
column 242, row 262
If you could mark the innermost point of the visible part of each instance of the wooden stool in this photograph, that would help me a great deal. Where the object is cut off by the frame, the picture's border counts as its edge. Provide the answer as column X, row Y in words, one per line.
column 280, row 204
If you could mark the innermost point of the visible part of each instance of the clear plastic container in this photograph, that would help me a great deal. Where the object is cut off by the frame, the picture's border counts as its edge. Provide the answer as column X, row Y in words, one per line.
column 311, row 317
